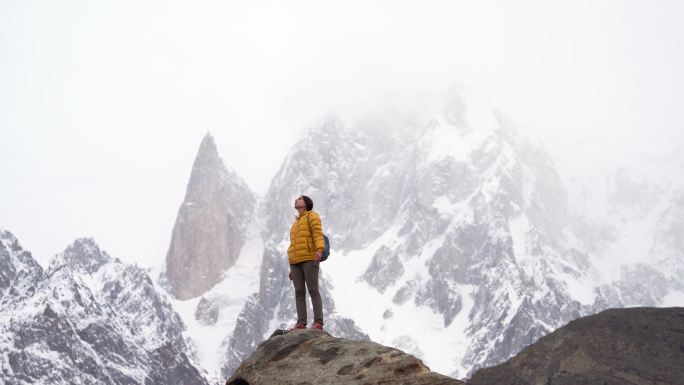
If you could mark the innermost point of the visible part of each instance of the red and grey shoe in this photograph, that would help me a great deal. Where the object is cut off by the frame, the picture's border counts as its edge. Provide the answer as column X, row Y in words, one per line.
column 317, row 326
column 298, row 326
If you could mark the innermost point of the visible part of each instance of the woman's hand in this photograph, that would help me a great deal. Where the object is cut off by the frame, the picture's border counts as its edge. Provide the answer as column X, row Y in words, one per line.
column 319, row 255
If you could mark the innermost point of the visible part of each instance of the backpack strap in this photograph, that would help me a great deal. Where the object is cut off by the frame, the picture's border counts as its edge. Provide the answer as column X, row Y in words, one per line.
column 326, row 247
column 308, row 221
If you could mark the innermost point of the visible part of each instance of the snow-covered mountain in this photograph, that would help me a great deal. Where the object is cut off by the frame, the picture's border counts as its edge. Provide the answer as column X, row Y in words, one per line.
column 210, row 227
column 87, row 319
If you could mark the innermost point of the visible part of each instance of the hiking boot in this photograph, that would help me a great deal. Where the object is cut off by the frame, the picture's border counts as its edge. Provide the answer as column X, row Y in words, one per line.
column 298, row 326
column 316, row 326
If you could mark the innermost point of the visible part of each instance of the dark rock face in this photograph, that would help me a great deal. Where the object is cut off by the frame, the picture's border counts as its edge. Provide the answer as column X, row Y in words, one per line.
column 383, row 269
column 314, row 357
column 210, row 226
column 616, row 347
column 207, row 313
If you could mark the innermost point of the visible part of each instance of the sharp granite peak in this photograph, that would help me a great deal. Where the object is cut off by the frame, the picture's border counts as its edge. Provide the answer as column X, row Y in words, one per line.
column 210, row 227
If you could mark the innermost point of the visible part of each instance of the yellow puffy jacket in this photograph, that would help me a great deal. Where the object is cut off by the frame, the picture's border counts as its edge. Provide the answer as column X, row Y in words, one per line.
column 306, row 237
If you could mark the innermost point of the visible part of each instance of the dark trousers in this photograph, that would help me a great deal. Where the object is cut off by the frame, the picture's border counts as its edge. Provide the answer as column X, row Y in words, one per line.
column 307, row 273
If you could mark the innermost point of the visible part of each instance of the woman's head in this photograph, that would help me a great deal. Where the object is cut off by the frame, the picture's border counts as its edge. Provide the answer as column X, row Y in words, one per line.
column 306, row 202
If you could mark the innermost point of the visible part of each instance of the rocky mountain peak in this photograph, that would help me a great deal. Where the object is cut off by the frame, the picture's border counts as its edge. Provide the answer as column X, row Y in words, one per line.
column 210, row 228
column 6, row 235
column 82, row 255
column 17, row 266
column 8, row 243
column 209, row 173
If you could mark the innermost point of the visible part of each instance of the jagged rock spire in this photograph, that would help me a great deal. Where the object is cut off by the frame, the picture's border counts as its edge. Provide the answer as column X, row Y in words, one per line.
column 208, row 172
column 209, row 229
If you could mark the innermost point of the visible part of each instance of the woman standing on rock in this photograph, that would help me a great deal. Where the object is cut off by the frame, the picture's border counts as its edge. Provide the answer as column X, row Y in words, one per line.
column 304, row 255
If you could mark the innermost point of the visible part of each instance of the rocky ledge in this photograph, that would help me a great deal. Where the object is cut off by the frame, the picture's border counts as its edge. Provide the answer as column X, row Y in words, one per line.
column 307, row 357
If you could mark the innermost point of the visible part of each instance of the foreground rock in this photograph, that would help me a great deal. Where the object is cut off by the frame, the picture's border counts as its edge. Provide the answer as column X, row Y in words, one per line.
column 314, row 357
column 616, row 347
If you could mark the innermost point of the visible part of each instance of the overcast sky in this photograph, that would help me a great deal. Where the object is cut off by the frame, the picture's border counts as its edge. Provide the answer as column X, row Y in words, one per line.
column 103, row 104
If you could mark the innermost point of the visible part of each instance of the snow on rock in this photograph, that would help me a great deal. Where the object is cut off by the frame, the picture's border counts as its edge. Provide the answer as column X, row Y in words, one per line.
column 90, row 319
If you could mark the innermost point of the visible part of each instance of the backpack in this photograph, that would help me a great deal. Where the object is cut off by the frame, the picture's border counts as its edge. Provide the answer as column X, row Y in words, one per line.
column 326, row 241
column 326, row 250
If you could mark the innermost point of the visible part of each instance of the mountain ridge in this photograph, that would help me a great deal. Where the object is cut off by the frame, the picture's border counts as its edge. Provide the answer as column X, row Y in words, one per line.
column 94, row 323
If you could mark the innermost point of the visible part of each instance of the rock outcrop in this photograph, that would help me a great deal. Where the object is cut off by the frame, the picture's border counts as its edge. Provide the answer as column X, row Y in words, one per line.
column 635, row 346
column 314, row 357
column 210, row 227
column 207, row 312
